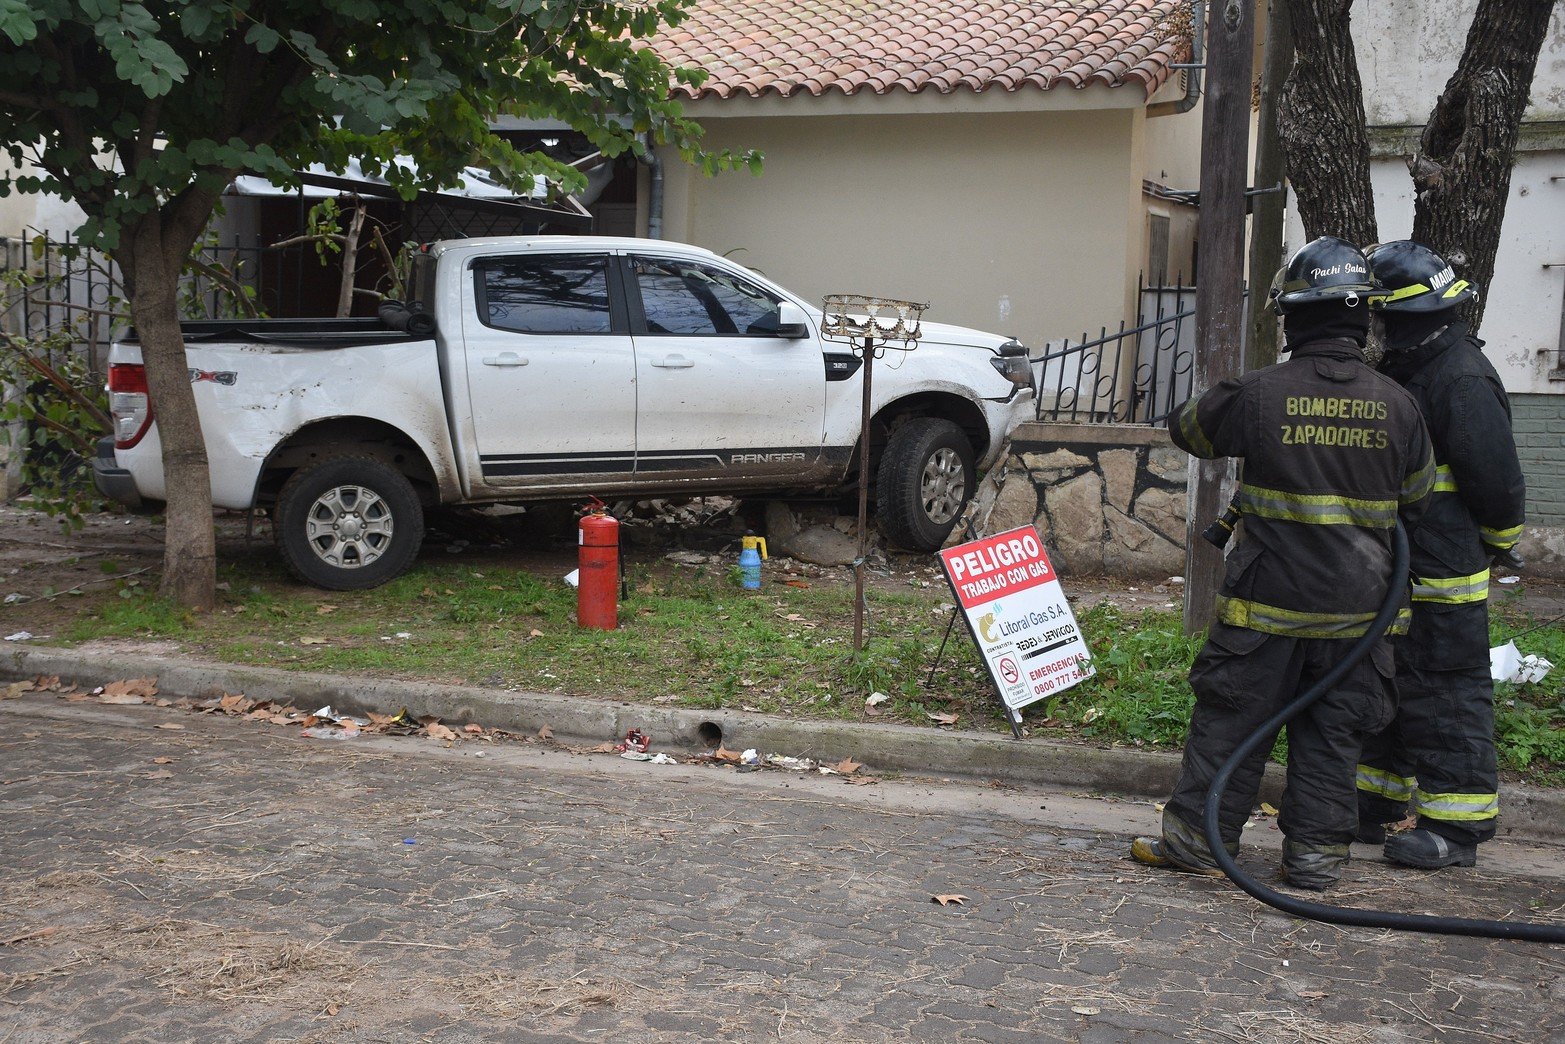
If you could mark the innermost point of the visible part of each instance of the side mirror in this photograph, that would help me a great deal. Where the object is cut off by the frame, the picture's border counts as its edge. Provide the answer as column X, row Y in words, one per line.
column 792, row 323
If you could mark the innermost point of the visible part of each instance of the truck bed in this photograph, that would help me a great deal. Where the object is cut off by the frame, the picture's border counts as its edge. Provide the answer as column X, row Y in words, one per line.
column 289, row 333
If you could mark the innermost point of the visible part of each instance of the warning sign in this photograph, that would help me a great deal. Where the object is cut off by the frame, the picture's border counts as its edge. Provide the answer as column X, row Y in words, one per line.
column 1016, row 610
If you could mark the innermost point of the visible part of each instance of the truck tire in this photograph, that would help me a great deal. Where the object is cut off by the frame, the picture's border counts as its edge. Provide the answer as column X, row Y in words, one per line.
column 925, row 480
column 348, row 523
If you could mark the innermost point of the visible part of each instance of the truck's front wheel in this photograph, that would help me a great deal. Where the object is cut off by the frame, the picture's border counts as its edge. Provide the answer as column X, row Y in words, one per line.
column 348, row 523
column 925, row 479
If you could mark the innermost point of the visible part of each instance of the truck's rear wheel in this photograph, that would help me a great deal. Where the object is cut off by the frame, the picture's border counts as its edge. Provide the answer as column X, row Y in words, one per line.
column 348, row 523
column 925, row 479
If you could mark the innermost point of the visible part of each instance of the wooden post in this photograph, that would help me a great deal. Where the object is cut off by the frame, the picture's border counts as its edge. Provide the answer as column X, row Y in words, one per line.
column 1219, row 301
column 1267, row 208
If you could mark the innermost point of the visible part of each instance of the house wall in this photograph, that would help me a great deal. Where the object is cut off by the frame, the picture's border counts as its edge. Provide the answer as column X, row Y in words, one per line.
column 1024, row 223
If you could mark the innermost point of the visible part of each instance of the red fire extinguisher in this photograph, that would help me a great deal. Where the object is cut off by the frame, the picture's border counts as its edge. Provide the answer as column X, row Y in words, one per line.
column 597, row 601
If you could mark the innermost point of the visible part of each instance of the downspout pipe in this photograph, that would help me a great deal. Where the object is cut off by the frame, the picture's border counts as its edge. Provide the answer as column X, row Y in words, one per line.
column 655, row 193
column 1192, row 68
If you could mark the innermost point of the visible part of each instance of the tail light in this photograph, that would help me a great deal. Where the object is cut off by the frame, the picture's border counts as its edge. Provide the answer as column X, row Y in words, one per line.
column 129, row 404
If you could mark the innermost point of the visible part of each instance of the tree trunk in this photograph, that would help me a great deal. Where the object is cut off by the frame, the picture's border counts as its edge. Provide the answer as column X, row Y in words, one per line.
column 1462, row 166
column 1321, row 122
column 151, row 270
column 350, row 261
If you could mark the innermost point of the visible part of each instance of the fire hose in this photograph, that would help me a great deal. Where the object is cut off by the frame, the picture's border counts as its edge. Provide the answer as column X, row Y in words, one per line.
column 1529, row 931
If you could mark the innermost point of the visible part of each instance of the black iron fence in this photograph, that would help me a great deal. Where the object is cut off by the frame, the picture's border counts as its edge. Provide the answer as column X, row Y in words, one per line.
column 59, row 285
column 1134, row 375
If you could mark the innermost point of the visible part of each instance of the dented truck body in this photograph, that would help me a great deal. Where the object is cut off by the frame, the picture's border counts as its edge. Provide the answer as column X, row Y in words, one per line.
column 555, row 368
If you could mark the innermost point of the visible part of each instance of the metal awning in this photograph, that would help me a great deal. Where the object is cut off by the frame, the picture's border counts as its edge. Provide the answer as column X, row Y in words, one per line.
column 476, row 191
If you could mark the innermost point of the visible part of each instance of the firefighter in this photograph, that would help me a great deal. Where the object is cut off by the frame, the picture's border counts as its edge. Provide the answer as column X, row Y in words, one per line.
column 1333, row 453
column 1439, row 750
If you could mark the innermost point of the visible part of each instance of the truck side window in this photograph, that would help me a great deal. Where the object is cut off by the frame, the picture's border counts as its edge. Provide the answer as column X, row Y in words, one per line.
column 545, row 293
column 683, row 297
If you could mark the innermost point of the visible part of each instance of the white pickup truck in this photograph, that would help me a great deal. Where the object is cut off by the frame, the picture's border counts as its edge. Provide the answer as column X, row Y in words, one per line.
column 553, row 368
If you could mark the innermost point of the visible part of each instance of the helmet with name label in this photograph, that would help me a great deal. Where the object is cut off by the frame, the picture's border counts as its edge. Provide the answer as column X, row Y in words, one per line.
column 1324, row 269
column 1416, row 279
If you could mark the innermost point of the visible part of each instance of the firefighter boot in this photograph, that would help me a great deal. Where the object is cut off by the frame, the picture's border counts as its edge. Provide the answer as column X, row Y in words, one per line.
column 1180, row 848
column 1429, row 851
column 1314, row 867
column 1153, row 851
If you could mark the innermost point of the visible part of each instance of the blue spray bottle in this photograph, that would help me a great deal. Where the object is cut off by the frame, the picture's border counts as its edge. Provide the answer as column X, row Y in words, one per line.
column 753, row 549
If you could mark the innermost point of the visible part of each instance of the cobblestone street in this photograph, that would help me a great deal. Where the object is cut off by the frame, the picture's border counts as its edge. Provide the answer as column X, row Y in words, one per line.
column 227, row 881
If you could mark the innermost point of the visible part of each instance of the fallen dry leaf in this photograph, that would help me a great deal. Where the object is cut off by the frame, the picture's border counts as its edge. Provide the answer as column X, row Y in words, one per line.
column 439, row 731
column 545, row 733
column 1312, row 994
column 949, row 900
column 941, row 717
column 796, row 583
column 15, row 690
column 724, row 754
column 120, row 698
column 144, row 688
column 158, row 774
column 172, row 726
column 47, row 683
column 603, row 748
column 164, row 761
column 473, row 729
column 1086, row 1009
column 535, row 633
column 847, row 767
column 323, row 609
column 860, row 781
column 313, row 640
column 234, row 703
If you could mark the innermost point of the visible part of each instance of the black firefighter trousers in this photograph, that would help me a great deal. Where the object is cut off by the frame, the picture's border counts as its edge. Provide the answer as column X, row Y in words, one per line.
column 1439, row 751
column 1241, row 678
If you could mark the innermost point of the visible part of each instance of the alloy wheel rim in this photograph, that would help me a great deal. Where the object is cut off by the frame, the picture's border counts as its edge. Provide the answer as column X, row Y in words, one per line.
column 349, row 527
column 943, row 486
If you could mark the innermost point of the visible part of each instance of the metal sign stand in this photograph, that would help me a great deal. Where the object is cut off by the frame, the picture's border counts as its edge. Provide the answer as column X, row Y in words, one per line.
column 863, row 322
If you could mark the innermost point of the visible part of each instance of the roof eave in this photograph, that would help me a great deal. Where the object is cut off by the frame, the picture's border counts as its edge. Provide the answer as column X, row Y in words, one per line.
column 898, row 102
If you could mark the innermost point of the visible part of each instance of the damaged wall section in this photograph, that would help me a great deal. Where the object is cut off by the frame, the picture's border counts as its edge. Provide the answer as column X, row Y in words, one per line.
column 1106, row 498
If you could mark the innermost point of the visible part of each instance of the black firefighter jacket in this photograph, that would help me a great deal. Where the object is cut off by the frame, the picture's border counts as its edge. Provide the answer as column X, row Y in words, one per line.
column 1479, row 498
column 1333, row 453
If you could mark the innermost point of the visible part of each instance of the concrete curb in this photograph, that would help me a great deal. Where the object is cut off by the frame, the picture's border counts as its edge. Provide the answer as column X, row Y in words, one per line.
column 1534, row 814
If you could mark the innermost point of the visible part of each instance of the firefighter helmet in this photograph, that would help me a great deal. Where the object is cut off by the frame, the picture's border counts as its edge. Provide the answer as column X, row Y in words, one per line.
column 1416, row 279
column 1324, row 269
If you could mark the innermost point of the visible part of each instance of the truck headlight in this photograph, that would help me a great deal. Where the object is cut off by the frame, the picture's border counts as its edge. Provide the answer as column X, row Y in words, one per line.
column 1012, row 364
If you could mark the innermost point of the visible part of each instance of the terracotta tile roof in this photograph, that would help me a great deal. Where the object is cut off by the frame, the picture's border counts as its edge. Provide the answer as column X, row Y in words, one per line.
column 789, row 47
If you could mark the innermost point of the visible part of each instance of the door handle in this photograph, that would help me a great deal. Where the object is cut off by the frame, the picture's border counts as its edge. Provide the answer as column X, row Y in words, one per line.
column 673, row 362
column 504, row 359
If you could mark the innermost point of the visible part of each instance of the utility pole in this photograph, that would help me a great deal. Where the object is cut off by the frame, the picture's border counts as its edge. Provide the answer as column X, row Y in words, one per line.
column 1219, row 301
column 1267, row 207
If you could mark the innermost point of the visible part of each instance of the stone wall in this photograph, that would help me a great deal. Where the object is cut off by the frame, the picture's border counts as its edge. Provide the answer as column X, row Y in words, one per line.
column 1106, row 498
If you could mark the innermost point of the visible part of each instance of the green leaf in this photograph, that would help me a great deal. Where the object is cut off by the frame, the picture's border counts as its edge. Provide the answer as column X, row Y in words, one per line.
column 195, row 20
column 262, row 37
column 19, row 21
